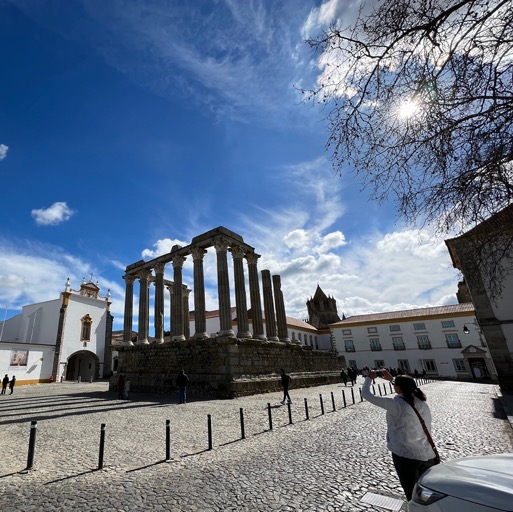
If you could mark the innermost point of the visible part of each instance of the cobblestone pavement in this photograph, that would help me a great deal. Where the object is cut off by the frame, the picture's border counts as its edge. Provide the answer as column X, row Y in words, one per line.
column 326, row 463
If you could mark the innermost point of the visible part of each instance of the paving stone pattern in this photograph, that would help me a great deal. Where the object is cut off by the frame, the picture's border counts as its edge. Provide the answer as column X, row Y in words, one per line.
column 326, row 463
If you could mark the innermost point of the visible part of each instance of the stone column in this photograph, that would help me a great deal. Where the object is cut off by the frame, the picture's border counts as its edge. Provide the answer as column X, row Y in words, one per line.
column 177, row 299
column 281, row 317
column 200, row 320
column 223, row 288
column 144, row 282
column 270, row 319
column 129, row 309
column 159, row 303
column 185, row 306
column 240, row 293
column 254, row 295
column 170, row 289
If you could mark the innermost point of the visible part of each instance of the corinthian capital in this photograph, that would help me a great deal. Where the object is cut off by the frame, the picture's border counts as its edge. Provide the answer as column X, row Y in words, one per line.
column 129, row 278
column 221, row 244
column 237, row 252
column 144, row 273
column 198, row 253
column 178, row 261
column 252, row 257
column 159, row 268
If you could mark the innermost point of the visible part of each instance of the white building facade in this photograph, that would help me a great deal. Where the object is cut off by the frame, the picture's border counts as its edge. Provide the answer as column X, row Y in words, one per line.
column 443, row 341
column 66, row 338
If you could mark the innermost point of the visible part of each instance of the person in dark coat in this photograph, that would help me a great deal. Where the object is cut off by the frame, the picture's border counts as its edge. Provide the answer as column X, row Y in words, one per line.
column 285, row 382
column 351, row 372
column 11, row 384
column 343, row 376
column 121, row 386
column 182, row 382
column 5, row 381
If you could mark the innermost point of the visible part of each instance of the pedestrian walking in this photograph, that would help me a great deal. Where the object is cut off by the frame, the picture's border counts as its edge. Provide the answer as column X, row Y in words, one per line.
column 121, row 386
column 126, row 390
column 285, row 382
column 351, row 373
column 5, row 381
column 182, row 381
column 408, row 420
column 343, row 376
column 11, row 384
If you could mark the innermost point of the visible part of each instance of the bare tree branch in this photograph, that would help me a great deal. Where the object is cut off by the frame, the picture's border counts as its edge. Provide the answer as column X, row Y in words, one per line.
column 450, row 160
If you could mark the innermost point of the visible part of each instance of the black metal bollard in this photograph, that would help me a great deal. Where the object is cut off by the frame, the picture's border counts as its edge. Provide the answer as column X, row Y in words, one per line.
column 242, row 433
column 168, row 440
column 322, row 404
column 209, row 425
column 352, row 394
column 361, row 397
column 373, row 389
column 333, row 401
column 391, row 390
column 32, row 444
column 344, row 398
column 290, row 413
column 379, row 387
column 270, row 416
column 306, row 409
column 102, row 446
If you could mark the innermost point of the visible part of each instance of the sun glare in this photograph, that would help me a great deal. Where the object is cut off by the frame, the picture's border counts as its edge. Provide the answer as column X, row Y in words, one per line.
column 408, row 109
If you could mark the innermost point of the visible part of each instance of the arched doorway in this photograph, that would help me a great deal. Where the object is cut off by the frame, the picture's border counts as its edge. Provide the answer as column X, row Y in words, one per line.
column 83, row 364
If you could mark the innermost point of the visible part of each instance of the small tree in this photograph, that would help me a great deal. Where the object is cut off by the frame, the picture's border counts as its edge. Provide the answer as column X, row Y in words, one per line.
column 420, row 106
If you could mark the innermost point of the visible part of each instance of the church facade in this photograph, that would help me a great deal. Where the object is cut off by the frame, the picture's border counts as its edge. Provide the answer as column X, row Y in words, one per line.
column 68, row 338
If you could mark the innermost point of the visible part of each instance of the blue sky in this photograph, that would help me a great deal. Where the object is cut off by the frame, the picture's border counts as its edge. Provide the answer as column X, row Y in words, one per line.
column 129, row 126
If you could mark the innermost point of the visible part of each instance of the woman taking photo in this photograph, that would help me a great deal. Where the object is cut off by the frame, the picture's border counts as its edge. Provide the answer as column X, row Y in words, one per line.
column 407, row 439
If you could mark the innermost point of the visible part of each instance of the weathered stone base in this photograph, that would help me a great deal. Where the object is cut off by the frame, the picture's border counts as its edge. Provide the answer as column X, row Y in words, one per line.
column 225, row 367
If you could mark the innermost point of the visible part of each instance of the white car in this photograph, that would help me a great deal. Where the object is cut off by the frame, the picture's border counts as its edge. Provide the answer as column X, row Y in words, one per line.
column 471, row 484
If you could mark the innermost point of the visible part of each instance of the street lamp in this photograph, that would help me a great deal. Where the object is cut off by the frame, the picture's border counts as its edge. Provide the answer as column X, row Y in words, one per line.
column 466, row 330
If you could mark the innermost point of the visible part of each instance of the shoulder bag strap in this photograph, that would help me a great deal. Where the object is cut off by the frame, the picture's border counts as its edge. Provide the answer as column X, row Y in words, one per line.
column 426, row 431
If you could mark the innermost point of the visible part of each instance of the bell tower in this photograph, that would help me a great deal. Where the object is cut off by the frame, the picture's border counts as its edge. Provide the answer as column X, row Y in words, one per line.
column 322, row 310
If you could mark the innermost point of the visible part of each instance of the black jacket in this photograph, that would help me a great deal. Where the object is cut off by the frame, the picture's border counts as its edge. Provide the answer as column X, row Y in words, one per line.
column 182, row 380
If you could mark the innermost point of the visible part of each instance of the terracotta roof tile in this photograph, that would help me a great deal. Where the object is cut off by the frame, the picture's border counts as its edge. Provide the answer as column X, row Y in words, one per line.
column 408, row 314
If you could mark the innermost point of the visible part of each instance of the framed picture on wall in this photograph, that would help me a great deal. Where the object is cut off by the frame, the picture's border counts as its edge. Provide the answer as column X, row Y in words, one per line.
column 19, row 357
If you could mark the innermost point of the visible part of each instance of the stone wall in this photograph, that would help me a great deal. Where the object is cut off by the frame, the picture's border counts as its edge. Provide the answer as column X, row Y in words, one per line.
column 225, row 367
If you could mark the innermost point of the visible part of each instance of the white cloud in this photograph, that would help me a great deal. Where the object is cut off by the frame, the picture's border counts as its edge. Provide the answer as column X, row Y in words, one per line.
column 32, row 272
column 296, row 239
column 161, row 247
column 327, row 13
column 365, row 272
column 332, row 241
column 3, row 151
column 393, row 271
column 53, row 215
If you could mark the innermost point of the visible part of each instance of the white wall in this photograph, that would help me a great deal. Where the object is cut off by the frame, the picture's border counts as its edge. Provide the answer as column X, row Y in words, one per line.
column 39, row 362
column 10, row 328
column 37, row 323
column 40, row 322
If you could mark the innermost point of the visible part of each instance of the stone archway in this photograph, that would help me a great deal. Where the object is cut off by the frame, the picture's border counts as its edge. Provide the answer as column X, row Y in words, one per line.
column 83, row 364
